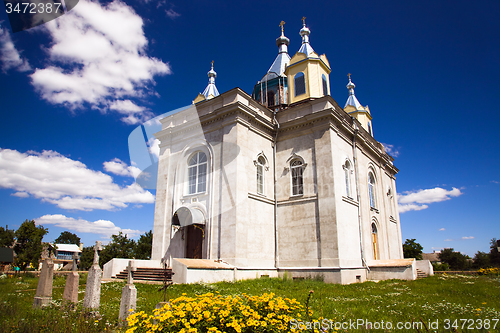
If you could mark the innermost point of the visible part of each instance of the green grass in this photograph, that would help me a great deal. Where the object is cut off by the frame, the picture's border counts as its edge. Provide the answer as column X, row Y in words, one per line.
column 430, row 299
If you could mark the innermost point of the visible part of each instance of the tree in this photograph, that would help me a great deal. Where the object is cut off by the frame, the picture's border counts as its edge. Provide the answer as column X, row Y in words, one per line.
column 144, row 246
column 29, row 245
column 119, row 247
column 412, row 249
column 481, row 260
column 67, row 237
column 86, row 258
column 456, row 260
column 494, row 254
column 6, row 237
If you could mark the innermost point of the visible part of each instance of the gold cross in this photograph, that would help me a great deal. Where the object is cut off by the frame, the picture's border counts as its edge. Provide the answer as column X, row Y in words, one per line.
column 281, row 25
column 349, row 76
column 304, row 20
column 212, row 64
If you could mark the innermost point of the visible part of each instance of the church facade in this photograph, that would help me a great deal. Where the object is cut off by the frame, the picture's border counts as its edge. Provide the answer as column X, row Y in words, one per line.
column 283, row 180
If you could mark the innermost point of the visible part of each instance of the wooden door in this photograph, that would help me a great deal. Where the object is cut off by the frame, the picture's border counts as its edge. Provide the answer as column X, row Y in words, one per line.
column 375, row 241
column 194, row 241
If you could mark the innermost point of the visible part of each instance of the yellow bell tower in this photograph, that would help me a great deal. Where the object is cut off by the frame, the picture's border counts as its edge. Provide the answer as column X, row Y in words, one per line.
column 307, row 74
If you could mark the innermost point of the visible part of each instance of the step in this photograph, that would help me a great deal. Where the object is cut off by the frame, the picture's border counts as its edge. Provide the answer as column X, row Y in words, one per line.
column 147, row 274
column 421, row 274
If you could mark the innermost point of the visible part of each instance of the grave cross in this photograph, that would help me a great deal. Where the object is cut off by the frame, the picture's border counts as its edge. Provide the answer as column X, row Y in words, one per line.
column 130, row 269
column 75, row 262
column 97, row 248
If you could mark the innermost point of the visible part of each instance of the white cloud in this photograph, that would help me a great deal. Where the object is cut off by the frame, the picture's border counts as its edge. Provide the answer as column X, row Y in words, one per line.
column 69, row 184
column 135, row 113
column 172, row 13
column 448, row 240
column 9, row 56
column 389, row 149
column 442, row 229
column 495, row 182
column 98, row 56
column 118, row 167
column 408, row 207
column 126, row 107
column 101, row 227
column 416, row 200
column 154, row 146
column 21, row 194
column 467, row 237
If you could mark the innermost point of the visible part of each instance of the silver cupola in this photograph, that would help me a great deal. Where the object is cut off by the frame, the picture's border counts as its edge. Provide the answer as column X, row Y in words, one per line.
column 211, row 89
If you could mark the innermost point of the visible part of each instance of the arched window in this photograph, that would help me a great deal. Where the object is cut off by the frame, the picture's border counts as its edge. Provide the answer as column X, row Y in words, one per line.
column 300, row 84
column 347, row 173
column 371, row 189
column 261, row 162
column 270, row 98
column 325, row 85
column 297, row 180
column 197, row 171
column 375, row 241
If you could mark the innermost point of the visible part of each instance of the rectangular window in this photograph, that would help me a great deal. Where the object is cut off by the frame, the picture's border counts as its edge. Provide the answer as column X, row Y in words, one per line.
column 300, row 84
column 297, row 184
column 192, row 179
column 202, row 177
column 260, row 180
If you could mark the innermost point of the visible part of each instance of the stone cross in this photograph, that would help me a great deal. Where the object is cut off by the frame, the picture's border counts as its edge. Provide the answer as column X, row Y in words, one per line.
column 129, row 294
column 75, row 262
column 130, row 269
column 72, row 281
column 44, row 290
column 92, row 297
column 97, row 248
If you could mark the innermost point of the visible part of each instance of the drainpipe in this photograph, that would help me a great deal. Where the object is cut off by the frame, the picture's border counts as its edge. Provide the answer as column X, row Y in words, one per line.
column 276, row 254
column 355, row 158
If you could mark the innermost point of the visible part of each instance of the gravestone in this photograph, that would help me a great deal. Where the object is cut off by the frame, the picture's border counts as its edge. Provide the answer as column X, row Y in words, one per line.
column 43, row 294
column 92, row 297
column 72, row 280
column 129, row 294
column 166, row 282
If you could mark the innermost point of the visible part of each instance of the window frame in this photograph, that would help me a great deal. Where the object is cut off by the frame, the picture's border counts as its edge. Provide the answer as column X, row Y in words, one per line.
column 198, row 175
column 325, row 84
column 297, row 173
column 260, row 164
column 347, row 176
column 270, row 94
column 299, row 76
column 372, row 185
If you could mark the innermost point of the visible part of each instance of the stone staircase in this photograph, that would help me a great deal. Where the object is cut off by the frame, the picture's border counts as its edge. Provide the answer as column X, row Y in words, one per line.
column 148, row 274
column 421, row 274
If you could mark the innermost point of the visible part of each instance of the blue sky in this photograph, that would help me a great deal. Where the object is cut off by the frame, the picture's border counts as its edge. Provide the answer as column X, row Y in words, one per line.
column 72, row 91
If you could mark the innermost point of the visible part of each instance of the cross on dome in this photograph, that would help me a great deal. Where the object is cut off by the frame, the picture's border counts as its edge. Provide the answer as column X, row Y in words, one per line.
column 211, row 89
column 305, row 48
column 352, row 100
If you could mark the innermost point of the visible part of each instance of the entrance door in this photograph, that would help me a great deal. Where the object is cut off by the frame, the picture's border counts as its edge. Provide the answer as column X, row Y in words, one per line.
column 194, row 241
column 374, row 241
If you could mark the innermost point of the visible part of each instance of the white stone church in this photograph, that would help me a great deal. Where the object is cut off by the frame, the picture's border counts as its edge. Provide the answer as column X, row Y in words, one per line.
column 282, row 181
